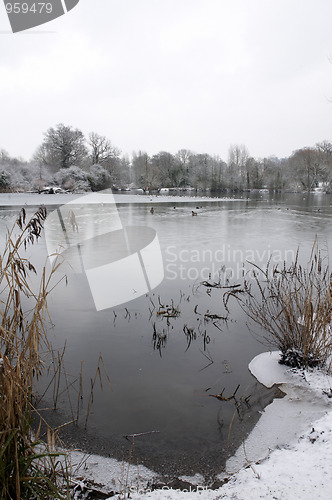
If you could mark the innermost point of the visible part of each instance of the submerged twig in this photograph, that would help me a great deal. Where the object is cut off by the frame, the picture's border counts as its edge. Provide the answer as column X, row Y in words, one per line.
column 222, row 398
column 139, row 434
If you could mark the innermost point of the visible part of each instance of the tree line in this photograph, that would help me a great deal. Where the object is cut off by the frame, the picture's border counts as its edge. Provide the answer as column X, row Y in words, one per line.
column 68, row 159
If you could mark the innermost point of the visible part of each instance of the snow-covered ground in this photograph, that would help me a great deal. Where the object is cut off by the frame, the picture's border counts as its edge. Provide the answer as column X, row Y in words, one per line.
column 288, row 455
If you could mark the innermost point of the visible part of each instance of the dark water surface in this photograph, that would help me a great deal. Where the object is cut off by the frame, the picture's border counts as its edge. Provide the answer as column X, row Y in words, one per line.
column 163, row 370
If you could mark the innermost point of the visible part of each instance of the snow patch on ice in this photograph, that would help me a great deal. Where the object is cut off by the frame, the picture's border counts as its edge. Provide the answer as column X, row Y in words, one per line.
column 112, row 474
column 196, row 480
column 266, row 368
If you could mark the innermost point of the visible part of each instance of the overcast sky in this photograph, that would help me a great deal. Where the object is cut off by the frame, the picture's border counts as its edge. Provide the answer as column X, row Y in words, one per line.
column 157, row 75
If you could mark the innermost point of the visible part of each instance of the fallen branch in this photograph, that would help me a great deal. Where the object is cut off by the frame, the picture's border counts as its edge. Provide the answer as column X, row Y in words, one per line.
column 222, row 398
column 127, row 436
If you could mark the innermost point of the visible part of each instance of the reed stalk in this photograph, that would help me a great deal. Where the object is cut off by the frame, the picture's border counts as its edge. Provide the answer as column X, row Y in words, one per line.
column 293, row 306
column 27, row 468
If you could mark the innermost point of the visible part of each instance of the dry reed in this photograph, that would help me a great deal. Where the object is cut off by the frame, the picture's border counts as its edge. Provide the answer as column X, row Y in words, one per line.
column 27, row 470
column 293, row 307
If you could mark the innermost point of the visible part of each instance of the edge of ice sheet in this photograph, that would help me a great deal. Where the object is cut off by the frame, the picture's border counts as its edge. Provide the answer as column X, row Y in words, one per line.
column 286, row 418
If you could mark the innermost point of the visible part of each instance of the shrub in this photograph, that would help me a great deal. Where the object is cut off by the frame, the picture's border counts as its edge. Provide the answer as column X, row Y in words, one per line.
column 4, row 180
column 99, row 178
column 73, row 179
column 293, row 306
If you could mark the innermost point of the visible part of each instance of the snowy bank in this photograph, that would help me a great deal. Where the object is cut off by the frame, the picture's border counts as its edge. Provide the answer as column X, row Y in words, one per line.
column 287, row 455
column 300, row 471
column 284, row 419
column 106, row 474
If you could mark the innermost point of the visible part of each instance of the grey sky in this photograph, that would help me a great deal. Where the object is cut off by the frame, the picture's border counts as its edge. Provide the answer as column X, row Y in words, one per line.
column 169, row 74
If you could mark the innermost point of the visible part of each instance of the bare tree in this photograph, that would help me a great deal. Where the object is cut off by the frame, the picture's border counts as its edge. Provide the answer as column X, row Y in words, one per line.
column 182, row 162
column 238, row 156
column 4, row 156
column 325, row 147
column 275, row 174
column 306, row 164
column 101, row 149
column 163, row 169
column 146, row 171
column 62, row 147
column 219, row 168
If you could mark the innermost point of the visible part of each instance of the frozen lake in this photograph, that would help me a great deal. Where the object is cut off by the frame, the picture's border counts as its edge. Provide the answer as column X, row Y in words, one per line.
column 165, row 351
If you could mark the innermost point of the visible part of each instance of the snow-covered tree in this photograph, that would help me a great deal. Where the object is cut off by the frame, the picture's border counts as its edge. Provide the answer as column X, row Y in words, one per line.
column 73, row 179
column 98, row 177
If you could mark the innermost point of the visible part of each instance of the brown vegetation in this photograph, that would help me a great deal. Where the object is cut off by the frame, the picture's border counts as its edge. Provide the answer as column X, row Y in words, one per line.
column 293, row 305
column 28, row 468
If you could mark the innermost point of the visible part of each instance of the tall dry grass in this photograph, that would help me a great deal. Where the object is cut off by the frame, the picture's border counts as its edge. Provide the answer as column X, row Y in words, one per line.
column 27, row 470
column 293, row 306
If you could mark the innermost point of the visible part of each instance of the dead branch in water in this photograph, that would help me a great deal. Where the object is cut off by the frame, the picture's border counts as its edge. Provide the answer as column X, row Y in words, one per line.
column 167, row 311
column 222, row 398
column 139, row 434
